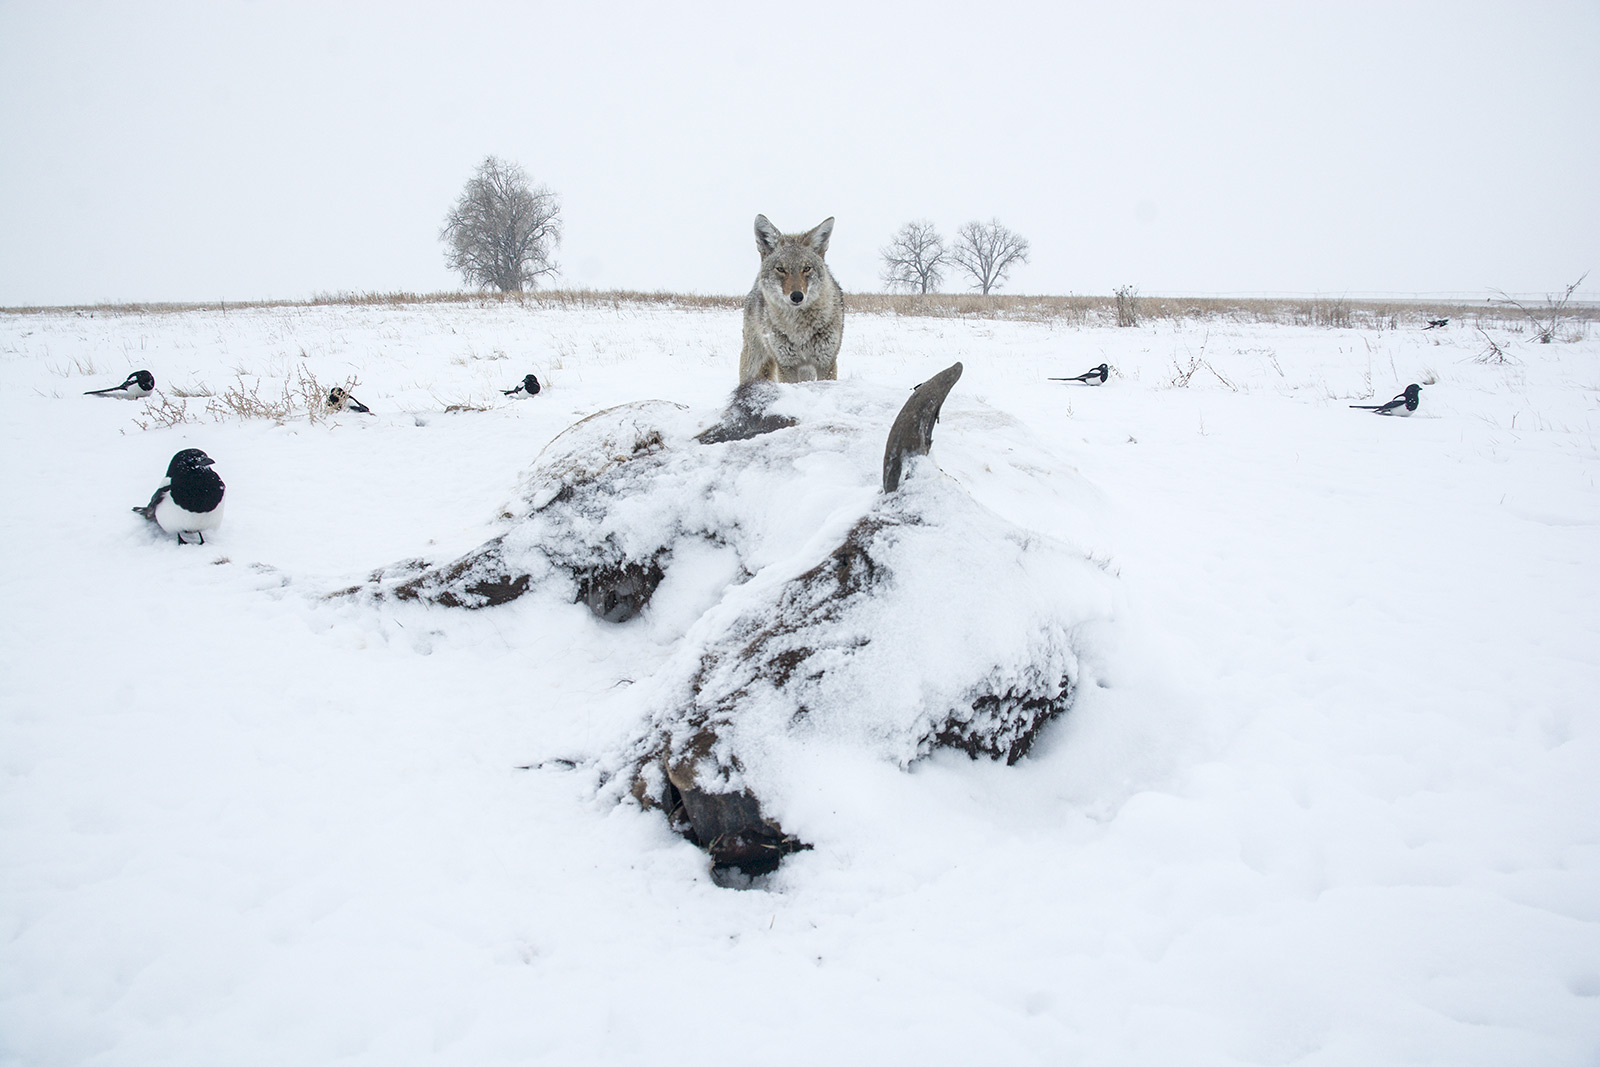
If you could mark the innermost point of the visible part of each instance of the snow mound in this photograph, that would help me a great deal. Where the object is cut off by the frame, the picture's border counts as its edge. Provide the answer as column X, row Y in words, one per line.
column 890, row 623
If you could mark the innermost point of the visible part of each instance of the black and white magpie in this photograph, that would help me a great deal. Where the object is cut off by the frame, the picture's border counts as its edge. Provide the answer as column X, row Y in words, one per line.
column 1097, row 376
column 340, row 400
column 139, row 383
column 1436, row 324
column 1403, row 404
column 528, row 387
column 189, row 499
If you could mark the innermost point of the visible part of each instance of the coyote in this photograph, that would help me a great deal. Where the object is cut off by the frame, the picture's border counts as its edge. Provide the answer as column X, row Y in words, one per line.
column 794, row 315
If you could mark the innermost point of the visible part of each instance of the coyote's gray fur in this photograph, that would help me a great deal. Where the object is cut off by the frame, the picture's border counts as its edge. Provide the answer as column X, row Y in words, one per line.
column 794, row 315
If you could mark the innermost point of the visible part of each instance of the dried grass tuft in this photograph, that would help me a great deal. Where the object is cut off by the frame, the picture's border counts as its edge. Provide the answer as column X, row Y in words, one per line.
column 1333, row 313
column 301, row 397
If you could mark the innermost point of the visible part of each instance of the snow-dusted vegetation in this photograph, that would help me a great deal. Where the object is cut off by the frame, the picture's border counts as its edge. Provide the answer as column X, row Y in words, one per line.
column 1326, row 791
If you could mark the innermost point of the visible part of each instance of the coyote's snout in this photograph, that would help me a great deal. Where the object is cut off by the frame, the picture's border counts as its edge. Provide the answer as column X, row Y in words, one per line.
column 794, row 315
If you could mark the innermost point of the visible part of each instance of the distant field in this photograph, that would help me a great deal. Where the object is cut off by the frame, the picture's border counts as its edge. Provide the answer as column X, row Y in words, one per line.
column 1331, row 311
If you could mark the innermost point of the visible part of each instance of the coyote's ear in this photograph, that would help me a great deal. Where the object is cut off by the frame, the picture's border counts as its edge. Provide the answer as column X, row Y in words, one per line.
column 817, row 236
column 767, row 236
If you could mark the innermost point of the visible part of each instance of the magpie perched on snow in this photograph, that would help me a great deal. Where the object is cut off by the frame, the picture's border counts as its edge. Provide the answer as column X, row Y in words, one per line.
column 529, row 387
column 1097, row 376
column 139, row 383
column 1436, row 324
column 189, row 500
column 1403, row 404
column 340, row 400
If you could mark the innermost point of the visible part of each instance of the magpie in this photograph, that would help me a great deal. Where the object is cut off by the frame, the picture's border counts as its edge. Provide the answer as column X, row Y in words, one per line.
column 1403, row 404
column 189, row 500
column 139, row 383
column 1435, row 324
column 1097, row 376
column 529, row 387
column 340, row 400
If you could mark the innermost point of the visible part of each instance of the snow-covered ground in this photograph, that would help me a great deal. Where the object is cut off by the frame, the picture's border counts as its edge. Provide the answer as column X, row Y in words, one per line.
column 1338, row 801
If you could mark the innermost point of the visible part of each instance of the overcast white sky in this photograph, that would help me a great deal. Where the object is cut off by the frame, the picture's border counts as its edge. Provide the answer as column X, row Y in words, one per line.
column 246, row 150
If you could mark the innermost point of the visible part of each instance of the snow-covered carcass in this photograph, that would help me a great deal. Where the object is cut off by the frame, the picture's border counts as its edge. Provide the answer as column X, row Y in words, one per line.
column 870, row 600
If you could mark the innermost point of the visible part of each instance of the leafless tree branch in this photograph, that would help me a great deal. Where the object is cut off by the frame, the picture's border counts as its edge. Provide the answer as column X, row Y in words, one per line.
column 1545, row 327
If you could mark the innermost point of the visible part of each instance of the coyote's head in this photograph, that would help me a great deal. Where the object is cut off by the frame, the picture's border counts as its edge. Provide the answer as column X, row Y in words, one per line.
column 791, row 263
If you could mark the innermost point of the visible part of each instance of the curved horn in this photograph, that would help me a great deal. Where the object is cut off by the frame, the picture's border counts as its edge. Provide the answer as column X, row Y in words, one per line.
column 912, row 432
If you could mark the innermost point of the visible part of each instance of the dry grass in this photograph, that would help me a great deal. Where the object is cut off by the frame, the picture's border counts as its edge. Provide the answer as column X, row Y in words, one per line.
column 243, row 400
column 583, row 298
column 1332, row 312
column 1127, row 305
column 1492, row 352
column 1547, row 320
column 163, row 410
column 301, row 397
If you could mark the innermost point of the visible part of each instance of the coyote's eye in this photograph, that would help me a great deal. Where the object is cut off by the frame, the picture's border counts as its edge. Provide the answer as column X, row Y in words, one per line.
column 807, row 270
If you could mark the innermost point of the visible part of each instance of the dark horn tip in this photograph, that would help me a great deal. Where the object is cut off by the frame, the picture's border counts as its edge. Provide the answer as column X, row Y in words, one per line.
column 912, row 432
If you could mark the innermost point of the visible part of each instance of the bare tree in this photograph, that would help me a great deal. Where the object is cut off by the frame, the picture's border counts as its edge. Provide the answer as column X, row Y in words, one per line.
column 1546, row 323
column 502, row 232
column 914, row 258
column 987, row 251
